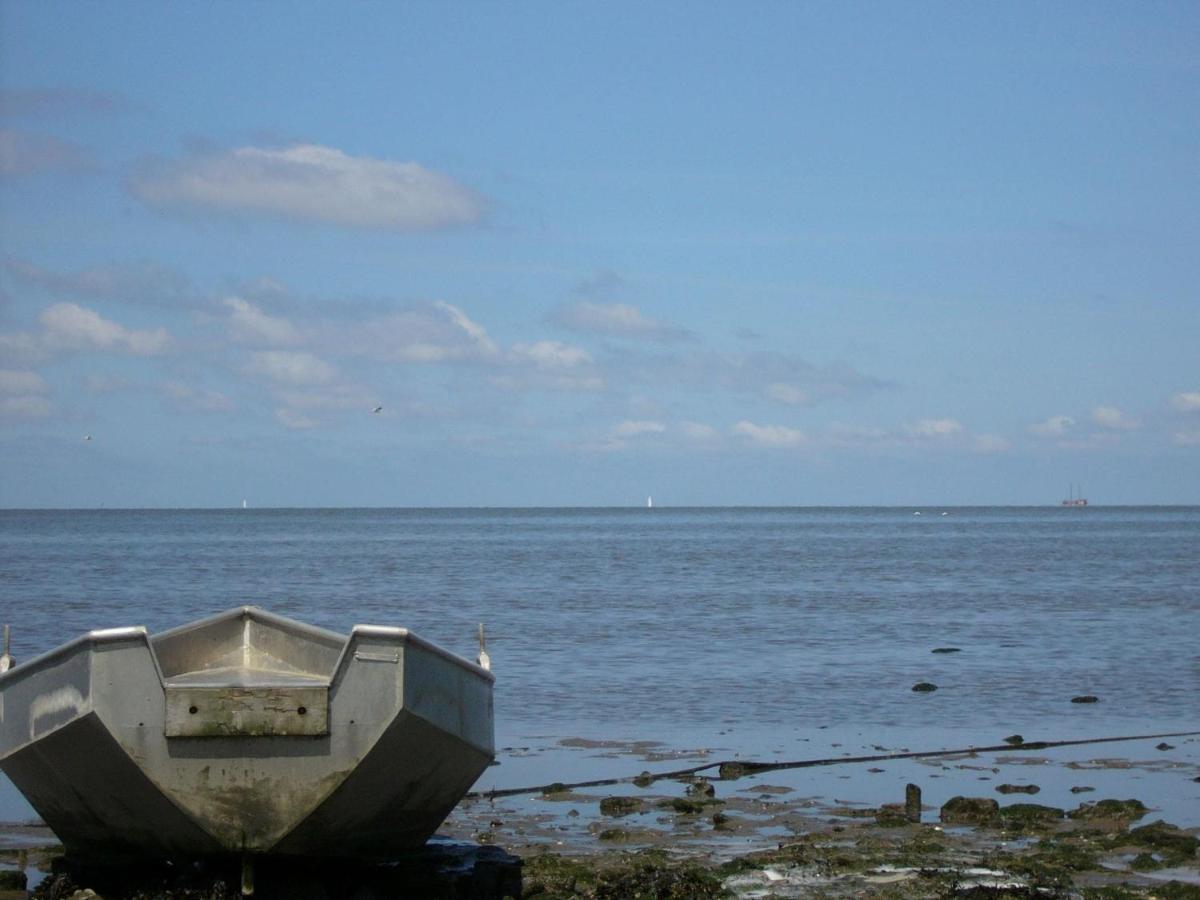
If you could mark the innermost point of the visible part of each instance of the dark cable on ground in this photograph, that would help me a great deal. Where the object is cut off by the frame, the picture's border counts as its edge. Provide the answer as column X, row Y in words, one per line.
column 731, row 769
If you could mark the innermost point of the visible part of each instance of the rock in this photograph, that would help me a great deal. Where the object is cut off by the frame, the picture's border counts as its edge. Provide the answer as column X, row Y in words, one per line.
column 1082, row 789
column 946, row 650
column 891, row 815
column 686, row 807
column 730, row 771
column 12, row 880
column 620, row 806
column 1014, row 739
column 1175, row 846
column 1017, row 788
column 924, row 687
column 1119, row 811
column 1085, row 698
column 912, row 802
column 1024, row 816
column 970, row 811
column 1164, row 746
column 644, row 780
column 701, row 788
column 720, row 820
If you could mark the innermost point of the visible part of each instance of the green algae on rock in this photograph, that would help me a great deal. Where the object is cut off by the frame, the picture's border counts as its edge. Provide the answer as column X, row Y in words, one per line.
column 621, row 806
column 1108, row 810
column 970, row 811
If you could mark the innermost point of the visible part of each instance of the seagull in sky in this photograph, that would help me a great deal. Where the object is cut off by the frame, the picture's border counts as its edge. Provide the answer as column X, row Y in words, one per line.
column 87, row 437
column 377, row 409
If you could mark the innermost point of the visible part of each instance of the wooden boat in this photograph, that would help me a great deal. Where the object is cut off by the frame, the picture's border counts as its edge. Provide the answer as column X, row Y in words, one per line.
column 245, row 733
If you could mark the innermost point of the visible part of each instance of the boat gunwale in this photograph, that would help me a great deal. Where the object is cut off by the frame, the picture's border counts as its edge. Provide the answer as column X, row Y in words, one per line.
column 140, row 632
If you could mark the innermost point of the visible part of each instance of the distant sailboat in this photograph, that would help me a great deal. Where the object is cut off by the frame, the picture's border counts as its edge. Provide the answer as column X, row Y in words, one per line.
column 1072, row 500
column 649, row 503
column 243, row 504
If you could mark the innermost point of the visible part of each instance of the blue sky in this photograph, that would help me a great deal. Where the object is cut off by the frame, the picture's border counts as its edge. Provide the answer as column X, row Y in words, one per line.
column 766, row 253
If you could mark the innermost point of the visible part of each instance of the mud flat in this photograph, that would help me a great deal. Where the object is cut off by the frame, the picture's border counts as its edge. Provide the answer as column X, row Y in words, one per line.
column 1103, row 824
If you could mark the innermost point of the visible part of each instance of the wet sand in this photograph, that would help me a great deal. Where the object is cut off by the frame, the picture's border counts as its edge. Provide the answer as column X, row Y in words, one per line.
column 1045, row 823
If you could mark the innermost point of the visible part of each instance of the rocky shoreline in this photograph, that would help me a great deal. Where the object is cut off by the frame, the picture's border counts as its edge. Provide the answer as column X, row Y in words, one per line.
column 737, row 832
column 974, row 847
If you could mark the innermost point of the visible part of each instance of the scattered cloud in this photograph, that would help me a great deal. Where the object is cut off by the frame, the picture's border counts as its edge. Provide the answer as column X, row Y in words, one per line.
column 291, row 368
column 293, row 420
column 140, row 282
column 250, row 325
column 630, row 428
column 1055, row 426
column 310, row 183
column 787, row 393
column 841, row 435
column 770, row 435
column 68, row 326
column 1187, row 438
column 990, row 443
column 104, row 384
column 24, row 153
column 1186, row 401
column 604, row 283
column 420, row 333
column 60, row 100
column 615, row 320
column 699, row 432
column 24, row 395
column 186, row 397
column 934, row 428
column 756, row 373
column 1113, row 419
column 551, row 355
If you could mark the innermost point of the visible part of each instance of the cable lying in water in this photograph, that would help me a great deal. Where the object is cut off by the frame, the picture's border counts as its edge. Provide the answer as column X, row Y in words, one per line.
column 731, row 769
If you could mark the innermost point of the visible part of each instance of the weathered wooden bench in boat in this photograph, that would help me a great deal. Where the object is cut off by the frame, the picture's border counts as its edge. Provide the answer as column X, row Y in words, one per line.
column 245, row 733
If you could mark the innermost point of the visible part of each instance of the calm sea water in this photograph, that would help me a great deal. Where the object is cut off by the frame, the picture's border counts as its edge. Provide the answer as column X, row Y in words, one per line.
column 653, row 622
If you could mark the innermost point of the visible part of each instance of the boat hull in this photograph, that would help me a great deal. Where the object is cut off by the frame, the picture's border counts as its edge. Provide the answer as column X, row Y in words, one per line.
column 295, row 741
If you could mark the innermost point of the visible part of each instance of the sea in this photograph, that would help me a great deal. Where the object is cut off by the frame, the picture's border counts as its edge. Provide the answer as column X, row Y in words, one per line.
column 759, row 633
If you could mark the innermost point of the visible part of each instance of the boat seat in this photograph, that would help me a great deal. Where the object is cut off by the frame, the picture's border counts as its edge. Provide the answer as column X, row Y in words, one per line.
column 240, row 701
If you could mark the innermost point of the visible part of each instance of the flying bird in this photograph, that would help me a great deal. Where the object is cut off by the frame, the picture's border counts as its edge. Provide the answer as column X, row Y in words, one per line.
column 377, row 409
column 87, row 437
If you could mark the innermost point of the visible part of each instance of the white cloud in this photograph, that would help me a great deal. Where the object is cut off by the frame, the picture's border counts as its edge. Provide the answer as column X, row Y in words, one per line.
column 141, row 282
column 21, row 348
column 990, row 443
column 250, row 324
column 551, row 355
column 1055, row 426
column 770, row 435
column 699, row 431
column 615, row 320
column 104, row 384
column 296, row 421
column 23, row 395
column 198, row 399
column 291, row 368
column 630, row 428
column 69, row 326
column 16, row 381
column 1187, row 401
column 424, row 333
column 312, row 183
column 788, row 393
column 1112, row 418
column 840, row 435
column 22, row 153
column 934, row 428
column 1187, row 438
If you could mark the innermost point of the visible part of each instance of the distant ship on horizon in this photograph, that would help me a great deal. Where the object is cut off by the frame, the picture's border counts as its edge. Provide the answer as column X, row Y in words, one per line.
column 1072, row 500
